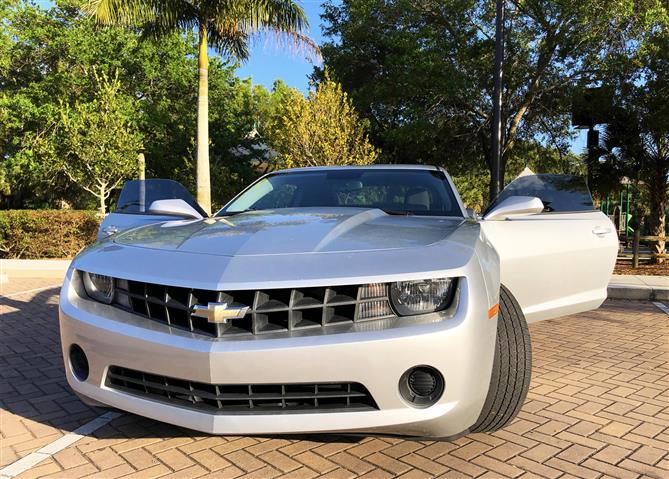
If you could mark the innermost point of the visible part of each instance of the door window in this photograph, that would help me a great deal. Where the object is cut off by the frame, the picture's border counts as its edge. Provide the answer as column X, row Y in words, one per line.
column 137, row 195
column 559, row 193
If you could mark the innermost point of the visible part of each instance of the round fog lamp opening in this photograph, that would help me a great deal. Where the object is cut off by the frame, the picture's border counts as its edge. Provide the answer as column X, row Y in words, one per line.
column 421, row 386
column 78, row 362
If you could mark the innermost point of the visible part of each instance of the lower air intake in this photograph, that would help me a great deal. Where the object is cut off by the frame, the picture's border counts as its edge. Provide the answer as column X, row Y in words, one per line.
column 243, row 398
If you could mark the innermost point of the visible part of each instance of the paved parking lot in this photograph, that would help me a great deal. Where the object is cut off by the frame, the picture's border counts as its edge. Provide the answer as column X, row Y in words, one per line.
column 598, row 407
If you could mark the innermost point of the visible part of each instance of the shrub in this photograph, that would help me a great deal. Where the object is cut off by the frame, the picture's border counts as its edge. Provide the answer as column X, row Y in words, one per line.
column 32, row 234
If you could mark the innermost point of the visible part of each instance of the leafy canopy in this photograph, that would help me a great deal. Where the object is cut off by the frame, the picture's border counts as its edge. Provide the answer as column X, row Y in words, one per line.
column 635, row 139
column 323, row 129
column 95, row 143
column 65, row 48
column 422, row 71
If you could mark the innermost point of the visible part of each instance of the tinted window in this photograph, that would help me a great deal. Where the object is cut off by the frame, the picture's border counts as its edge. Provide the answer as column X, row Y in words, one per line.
column 137, row 195
column 559, row 193
column 418, row 192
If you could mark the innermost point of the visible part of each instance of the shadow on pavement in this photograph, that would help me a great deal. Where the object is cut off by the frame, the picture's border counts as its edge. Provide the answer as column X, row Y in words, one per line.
column 32, row 378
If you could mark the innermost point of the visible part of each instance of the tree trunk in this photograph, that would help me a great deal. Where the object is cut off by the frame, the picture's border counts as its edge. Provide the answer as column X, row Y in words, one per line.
column 203, row 181
column 658, row 211
column 102, row 210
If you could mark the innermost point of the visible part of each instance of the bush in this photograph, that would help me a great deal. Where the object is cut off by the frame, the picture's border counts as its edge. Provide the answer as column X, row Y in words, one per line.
column 33, row 234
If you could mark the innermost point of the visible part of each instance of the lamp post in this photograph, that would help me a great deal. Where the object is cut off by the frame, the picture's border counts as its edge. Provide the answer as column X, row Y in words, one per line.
column 496, row 147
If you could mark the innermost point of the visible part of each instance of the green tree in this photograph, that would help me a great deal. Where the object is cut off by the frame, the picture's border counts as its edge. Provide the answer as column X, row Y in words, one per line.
column 223, row 26
column 64, row 48
column 323, row 129
column 95, row 144
column 421, row 71
column 636, row 138
column 271, row 107
column 64, row 52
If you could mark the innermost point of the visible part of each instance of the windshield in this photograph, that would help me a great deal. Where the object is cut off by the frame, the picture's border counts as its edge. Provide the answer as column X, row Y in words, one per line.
column 396, row 191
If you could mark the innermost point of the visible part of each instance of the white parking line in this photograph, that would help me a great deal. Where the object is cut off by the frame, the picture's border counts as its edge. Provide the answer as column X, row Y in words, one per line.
column 661, row 306
column 34, row 458
column 30, row 291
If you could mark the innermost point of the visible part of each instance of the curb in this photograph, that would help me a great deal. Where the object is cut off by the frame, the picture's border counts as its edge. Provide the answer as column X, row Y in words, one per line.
column 615, row 291
column 33, row 268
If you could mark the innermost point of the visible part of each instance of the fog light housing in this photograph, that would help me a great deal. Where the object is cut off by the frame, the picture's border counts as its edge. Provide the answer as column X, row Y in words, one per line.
column 421, row 386
column 78, row 363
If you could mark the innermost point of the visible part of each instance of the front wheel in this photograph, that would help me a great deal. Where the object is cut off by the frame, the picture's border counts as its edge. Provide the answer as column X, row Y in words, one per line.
column 511, row 370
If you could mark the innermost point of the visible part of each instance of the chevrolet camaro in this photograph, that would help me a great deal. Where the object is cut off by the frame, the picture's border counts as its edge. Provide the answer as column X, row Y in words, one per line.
column 332, row 299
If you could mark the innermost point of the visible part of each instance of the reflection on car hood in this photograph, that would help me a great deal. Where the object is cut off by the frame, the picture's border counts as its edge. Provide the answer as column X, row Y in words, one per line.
column 292, row 231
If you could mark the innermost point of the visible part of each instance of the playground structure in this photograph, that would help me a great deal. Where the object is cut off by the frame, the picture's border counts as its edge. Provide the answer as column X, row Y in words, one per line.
column 619, row 210
column 634, row 248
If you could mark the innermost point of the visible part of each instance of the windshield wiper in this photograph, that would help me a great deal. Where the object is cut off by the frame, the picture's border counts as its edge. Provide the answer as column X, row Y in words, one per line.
column 235, row 213
column 127, row 205
column 397, row 212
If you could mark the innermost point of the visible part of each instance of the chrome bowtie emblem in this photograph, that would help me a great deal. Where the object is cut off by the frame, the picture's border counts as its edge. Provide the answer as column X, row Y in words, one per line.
column 219, row 312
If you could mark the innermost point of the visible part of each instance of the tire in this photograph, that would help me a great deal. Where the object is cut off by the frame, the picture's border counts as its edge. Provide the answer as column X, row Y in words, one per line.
column 511, row 370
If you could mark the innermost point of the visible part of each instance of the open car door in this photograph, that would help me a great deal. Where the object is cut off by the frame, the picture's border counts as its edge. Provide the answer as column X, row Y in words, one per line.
column 559, row 261
column 135, row 201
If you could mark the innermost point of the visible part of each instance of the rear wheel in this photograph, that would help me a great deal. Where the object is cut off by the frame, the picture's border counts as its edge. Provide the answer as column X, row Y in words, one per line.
column 511, row 370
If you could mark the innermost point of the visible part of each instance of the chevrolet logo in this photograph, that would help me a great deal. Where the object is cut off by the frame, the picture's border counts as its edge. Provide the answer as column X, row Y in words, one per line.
column 220, row 313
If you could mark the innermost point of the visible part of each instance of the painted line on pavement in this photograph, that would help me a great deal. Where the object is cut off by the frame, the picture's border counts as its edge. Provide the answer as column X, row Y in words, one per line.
column 34, row 458
column 661, row 306
column 36, row 290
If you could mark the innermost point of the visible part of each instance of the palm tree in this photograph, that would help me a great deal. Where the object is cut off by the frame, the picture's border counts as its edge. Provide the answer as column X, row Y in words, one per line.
column 227, row 26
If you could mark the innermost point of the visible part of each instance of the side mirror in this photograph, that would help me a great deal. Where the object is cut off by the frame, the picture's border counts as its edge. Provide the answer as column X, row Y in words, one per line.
column 174, row 207
column 515, row 206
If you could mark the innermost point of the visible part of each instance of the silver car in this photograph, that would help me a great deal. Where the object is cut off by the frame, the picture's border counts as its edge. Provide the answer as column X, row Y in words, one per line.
column 340, row 299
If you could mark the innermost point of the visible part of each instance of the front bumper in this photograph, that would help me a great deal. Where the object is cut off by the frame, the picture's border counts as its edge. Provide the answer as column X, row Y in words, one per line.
column 460, row 347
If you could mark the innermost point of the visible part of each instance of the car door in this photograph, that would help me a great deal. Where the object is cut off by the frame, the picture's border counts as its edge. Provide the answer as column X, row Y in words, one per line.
column 132, row 207
column 560, row 261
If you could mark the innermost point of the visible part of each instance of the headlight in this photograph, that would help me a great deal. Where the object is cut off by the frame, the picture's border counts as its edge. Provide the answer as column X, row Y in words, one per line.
column 99, row 287
column 420, row 297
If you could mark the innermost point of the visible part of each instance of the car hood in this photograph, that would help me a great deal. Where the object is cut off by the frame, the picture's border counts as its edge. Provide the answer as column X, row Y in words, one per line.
column 292, row 231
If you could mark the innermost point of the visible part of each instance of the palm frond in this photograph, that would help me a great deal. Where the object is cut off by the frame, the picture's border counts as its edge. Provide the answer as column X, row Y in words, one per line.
column 294, row 42
column 179, row 17
column 119, row 12
column 284, row 21
column 282, row 15
column 227, row 38
column 165, row 14
column 231, row 24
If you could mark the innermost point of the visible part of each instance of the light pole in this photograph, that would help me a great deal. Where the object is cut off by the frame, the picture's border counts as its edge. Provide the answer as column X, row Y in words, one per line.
column 496, row 147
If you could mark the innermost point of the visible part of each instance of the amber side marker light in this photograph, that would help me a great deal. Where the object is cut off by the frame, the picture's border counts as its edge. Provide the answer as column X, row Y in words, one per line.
column 492, row 312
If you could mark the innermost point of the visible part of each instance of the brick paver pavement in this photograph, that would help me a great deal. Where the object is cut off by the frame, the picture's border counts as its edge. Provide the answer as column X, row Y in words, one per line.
column 598, row 406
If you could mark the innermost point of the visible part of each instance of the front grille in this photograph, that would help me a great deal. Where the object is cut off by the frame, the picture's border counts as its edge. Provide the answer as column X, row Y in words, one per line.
column 243, row 398
column 270, row 311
